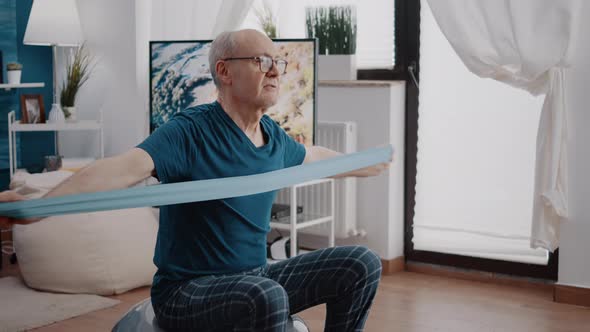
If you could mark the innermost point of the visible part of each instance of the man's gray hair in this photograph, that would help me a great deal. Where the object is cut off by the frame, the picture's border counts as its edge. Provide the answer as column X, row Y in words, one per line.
column 222, row 47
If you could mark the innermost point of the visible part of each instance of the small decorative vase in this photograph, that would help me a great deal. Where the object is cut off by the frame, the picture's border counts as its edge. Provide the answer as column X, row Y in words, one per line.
column 13, row 76
column 56, row 115
column 70, row 113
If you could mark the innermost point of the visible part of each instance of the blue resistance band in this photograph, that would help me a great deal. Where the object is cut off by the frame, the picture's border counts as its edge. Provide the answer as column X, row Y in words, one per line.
column 194, row 191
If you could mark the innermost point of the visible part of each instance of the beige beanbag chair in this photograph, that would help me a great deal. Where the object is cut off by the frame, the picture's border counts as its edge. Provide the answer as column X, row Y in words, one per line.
column 97, row 253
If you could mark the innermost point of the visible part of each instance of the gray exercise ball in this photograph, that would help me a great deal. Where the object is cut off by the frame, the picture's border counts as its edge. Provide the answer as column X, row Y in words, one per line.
column 141, row 318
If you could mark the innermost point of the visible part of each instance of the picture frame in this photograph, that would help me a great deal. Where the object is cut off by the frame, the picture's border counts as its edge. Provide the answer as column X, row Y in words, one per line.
column 180, row 78
column 32, row 108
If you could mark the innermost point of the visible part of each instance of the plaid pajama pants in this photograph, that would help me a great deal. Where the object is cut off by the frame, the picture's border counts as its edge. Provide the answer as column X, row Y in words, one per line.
column 345, row 278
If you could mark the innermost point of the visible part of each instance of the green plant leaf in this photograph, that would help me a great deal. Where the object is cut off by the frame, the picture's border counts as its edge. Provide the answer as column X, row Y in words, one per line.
column 334, row 27
column 78, row 71
column 267, row 20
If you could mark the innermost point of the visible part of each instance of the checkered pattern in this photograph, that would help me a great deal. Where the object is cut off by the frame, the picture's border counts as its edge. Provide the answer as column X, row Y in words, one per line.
column 345, row 278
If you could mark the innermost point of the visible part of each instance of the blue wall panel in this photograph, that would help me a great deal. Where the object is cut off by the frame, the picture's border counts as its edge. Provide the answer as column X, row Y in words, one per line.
column 37, row 67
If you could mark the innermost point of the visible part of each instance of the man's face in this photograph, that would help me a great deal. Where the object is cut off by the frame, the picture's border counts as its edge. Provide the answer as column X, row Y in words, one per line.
column 248, row 83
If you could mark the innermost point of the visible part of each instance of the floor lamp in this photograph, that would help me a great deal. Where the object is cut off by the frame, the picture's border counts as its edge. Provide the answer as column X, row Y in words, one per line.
column 54, row 23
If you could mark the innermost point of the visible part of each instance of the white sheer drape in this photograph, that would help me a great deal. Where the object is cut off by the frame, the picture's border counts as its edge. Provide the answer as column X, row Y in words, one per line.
column 180, row 20
column 476, row 156
column 527, row 44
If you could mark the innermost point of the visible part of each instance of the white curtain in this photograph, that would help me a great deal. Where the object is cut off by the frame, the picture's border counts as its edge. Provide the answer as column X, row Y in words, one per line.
column 526, row 44
column 180, row 20
column 476, row 156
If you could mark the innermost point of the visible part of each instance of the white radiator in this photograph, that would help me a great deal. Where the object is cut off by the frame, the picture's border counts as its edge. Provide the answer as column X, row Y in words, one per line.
column 315, row 200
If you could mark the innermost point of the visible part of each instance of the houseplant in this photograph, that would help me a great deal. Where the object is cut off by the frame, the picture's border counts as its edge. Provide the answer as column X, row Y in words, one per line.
column 13, row 72
column 78, row 68
column 267, row 20
column 335, row 29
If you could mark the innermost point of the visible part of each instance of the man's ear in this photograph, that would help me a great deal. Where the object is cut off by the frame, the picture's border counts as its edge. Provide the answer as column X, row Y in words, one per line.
column 223, row 72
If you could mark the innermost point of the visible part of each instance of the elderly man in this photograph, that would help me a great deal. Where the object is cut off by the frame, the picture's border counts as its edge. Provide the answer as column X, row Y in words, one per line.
column 211, row 256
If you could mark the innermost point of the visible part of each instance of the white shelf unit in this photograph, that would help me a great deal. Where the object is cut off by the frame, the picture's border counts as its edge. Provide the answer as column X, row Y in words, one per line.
column 15, row 126
column 7, row 86
column 295, row 224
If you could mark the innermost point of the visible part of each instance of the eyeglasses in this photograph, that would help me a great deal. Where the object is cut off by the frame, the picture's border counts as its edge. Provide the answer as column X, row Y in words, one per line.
column 265, row 63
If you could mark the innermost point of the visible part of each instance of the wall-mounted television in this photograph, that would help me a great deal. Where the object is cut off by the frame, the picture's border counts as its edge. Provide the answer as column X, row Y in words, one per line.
column 180, row 78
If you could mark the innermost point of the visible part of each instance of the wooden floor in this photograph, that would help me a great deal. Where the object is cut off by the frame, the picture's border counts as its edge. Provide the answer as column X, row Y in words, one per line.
column 412, row 302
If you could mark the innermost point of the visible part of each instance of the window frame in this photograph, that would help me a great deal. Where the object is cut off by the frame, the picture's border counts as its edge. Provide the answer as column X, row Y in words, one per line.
column 407, row 53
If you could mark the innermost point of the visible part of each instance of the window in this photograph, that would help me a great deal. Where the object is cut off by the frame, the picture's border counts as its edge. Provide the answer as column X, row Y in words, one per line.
column 422, row 238
column 375, row 26
column 476, row 159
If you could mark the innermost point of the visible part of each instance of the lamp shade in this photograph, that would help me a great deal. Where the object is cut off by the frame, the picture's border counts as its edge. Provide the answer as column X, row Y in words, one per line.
column 54, row 22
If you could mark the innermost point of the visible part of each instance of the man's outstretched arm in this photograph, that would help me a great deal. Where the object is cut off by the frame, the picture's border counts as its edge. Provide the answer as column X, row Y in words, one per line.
column 118, row 172
column 317, row 153
column 112, row 173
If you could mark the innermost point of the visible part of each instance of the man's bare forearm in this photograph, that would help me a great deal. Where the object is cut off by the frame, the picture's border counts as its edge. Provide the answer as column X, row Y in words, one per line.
column 317, row 153
column 107, row 174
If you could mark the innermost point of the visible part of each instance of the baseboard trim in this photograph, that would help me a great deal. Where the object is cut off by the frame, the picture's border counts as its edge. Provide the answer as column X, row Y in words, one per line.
column 391, row 266
column 480, row 276
column 572, row 295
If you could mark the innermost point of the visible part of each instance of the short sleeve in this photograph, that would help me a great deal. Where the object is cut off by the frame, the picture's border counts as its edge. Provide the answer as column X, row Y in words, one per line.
column 294, row 151
column 172, row 150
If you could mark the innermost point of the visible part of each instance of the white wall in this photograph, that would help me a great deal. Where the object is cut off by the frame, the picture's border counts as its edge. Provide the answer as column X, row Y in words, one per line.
column 379, row 111
column 574, row 264
column 109, row 29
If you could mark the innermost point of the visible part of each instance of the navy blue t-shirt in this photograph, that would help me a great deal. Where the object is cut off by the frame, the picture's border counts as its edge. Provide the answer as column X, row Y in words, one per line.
column 217, row 236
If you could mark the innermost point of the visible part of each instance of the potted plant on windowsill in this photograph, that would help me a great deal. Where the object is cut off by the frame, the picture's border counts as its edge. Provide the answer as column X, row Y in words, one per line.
column 335, row 29
column 78, row 70
column 13, row 72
